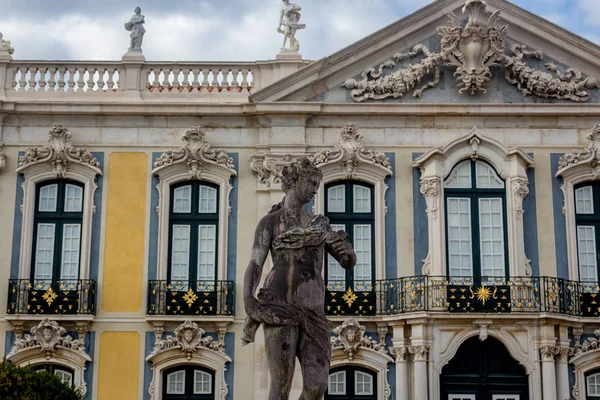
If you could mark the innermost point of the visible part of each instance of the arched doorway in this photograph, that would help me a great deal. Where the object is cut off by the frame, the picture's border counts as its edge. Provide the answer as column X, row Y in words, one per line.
column 483, row 371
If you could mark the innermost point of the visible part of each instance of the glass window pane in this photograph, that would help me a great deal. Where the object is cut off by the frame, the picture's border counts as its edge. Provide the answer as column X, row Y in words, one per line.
column 202, row 382
column 362, row 248
column 593, row 385
column 182, row 199
column 491, row 236
column 208, row 200
column 460, row 257
column 460, row 177
column 487, row 178
column 48, row 198
column 180, row 253
column 586, row 245
column 73, row 198
column 44, row 251
column 337, row 383
column 65, row 377
column 207, row 241
column 336, row 199
column 584, row 200
column 176, row 383
column 70, row 252
column 363, row 383
column 362, row 199
column 336, row 275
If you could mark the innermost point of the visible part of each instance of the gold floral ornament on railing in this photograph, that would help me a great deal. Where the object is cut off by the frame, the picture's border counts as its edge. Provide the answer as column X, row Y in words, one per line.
column 473, row 50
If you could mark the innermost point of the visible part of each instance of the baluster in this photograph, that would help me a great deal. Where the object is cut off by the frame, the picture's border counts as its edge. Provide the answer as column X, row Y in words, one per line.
column 195, row 80
column 71, row 79
column 42, row 80
column 15, row 79
column 61, row 79
column 150, row 79
column 205, row 83
column 80, row 79
column 110, row 82
column 52, row 79
column 244, row 84
column 159, row 80
column 32, row 78
column 171, row 79
column 181, row 84
column 90, row 79
column 23, row 80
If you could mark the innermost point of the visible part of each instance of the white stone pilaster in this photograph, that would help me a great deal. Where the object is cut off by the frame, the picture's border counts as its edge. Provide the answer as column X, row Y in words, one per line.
column 562, row 374
column 549, row 372
column 420, row 375
column 401, row 356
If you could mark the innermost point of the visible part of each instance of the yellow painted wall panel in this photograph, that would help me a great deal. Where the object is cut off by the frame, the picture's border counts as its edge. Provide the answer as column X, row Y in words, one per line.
column 125, row 233
column 119, row 365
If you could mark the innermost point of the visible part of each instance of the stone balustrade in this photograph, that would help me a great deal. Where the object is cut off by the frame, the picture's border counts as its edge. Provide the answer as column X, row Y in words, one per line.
column 45, row 80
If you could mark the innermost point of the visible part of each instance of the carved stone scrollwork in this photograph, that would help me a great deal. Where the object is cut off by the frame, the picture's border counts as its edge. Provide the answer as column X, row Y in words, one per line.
column 589, row 155
column 60, row 152
column 400, row 354
column 49, row 337
column 196, row 153
column 430, row 189
column 549, row 352
column 472, row 50
column 350, row 153
column 269, row 167
column 590, row 344
column 189, row 337
column 564, row 354
column 350, row 337
column 420, row 352
column 520, row 189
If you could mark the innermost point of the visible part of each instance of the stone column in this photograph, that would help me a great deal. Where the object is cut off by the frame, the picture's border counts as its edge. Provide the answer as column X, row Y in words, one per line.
column 562, row 374
column 420, row 377
column 401, row 356
column 548, row 372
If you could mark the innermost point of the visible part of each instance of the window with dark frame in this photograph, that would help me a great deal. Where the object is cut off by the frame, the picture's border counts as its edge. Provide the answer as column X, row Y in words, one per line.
column 190, row 382
column 587, row 220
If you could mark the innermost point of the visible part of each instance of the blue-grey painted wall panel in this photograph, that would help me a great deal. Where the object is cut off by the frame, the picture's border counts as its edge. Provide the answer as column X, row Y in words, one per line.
column 9, row 340
column 530, row 224
column 90, row 346
column 421, row 239
column 153, row 242
column 233, row 224
column 147, row 364
column 391, row 248
column 560, row 228
column 97, row 221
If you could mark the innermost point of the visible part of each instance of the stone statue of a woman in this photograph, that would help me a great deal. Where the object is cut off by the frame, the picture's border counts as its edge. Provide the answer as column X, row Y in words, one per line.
column 289, row 24
column 291, row 304
column 135, row 25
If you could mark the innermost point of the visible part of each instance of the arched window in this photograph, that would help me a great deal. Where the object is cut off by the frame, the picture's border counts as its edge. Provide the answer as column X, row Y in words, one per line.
column 587, row 220
column 57, row 233
column 349, row 206
column 475, row 199
column 592, row 384
column 348, row 383
column 188, row 383
column 65, row 374
column 193, row 232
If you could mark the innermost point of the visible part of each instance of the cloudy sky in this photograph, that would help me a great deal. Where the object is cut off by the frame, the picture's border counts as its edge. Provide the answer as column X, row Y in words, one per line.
column 220, row 30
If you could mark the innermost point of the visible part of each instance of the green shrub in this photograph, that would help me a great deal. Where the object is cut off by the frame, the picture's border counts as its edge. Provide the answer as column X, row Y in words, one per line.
column 25, row 383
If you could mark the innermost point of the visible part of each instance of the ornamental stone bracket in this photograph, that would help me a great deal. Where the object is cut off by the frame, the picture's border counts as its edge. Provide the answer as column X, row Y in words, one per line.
column 350, row 337
column 588, row 157
column 471, row 51
column 196, row 154
column 268, row 167
column 59, row 152
column 189, row 338
column 48, row 337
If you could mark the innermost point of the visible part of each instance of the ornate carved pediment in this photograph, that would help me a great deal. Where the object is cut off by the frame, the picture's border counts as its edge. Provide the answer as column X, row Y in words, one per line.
column 195, row 154
column 471, row 51
column 48, row 336
column 591, row 344
column 59, row 151
column 189, row 338
column 350, row 337
column 589, row 155
column 349, row 153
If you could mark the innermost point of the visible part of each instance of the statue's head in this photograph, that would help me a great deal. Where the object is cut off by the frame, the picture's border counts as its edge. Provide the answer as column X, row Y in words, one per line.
column 47, row 333
column 303, row 176
column 138, row 10
column 188, row 335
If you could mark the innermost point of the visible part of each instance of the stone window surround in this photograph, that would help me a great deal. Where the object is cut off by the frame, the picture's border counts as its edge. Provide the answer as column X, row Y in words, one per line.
column 38, row 173
column 510, row 163
column 583, row 364
column 371, row 360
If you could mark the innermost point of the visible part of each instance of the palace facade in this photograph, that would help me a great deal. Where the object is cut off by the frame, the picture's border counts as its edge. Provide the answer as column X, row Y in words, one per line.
column 460, row 153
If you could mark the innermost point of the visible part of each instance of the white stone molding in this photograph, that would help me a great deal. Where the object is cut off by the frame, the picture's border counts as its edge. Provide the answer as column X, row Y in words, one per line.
column 195, row 160
column 510, row 163
column 188, row 345
column 350, row 346
column 576, row 167
column 49, row 343
column 472, row 51
column 585, row 358
column 57, row 159
column 350, row 160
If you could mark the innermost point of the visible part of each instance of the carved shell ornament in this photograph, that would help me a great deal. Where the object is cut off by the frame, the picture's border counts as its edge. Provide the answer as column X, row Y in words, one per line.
column 472, row 50
column 350, row 337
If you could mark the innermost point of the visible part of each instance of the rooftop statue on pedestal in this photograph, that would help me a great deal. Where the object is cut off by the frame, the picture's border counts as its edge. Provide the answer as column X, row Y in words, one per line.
column 288, row 25
column 5, row 45
column 291, row 303
column 136, row 27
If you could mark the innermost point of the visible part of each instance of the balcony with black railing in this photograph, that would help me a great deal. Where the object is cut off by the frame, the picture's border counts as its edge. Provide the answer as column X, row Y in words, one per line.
column 45, row 297
column 463, row 295
column 202, row 298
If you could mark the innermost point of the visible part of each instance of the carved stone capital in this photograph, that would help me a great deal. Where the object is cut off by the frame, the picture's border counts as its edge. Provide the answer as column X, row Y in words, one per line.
column 430, row 189
column 577, row 332
column 59, row 152
column 420, row 352
column 564, row 354
column 222, row 331
column 400, row 354
column 350, row 337
column 549, row 352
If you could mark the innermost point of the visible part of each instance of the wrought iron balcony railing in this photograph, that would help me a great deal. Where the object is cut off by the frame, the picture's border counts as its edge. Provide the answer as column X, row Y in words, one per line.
column 463, row 295
column 191, row 298
column 72, row 297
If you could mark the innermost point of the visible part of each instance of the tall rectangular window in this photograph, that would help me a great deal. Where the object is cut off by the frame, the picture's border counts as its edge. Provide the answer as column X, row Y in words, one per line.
column 587, row 219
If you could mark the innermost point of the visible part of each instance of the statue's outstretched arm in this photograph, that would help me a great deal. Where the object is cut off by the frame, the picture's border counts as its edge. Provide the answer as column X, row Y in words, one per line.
column 342, row 251
column 260, row 251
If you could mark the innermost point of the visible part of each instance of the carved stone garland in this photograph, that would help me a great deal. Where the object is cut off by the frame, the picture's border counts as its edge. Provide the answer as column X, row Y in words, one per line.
column 350, row 337
column 196, row 153
column 472, row 50
column 60, row 152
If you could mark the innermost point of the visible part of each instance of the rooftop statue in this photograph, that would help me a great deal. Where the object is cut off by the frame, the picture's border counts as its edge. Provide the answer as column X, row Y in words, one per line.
column 291, row 303
column 288, row 25
column 136, row 27
column 5, row 45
